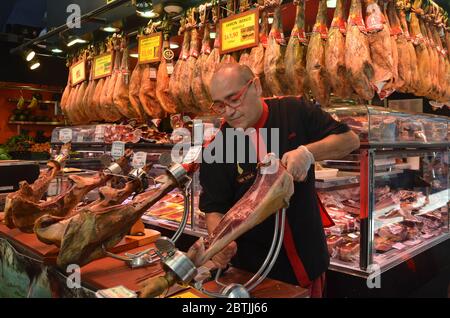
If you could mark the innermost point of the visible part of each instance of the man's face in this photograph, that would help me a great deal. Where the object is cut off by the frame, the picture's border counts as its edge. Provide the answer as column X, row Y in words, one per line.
column 248, row 112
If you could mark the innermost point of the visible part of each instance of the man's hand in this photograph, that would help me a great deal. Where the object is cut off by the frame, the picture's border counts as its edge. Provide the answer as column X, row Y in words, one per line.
column 222, row 258
column 298, row 162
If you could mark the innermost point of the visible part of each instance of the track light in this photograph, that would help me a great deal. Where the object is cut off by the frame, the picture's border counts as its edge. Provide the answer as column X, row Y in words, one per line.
column 110, row 29
column 173, row 8
column 34, row 64
column 75, row 40
column 174, row 45
column 147, row 14
column 56, row 50
column 135, row 55
column 29, row 55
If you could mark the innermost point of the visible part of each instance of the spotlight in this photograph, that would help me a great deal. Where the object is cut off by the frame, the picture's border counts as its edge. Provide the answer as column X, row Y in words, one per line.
column 110, row 29
column 29, row 55
column 173, row 8
column 147, row 14
column 174, row 45
column 57, row 50
column 34, row 64
column 75, row 40
column 135, row 55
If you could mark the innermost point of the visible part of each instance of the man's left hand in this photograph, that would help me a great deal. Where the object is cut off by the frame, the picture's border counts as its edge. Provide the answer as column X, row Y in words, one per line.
column 298, row 162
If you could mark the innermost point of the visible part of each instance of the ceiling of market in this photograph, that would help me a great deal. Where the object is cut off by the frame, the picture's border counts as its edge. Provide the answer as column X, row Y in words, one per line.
column 21, row 20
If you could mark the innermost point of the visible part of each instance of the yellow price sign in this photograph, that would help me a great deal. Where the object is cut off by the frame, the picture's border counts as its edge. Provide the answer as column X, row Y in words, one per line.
column 78, row 72
column 239, row 31
column 103, row 65
column 149, row 48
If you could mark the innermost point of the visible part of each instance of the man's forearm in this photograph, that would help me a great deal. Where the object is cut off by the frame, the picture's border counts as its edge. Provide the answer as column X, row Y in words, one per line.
column 334, row 146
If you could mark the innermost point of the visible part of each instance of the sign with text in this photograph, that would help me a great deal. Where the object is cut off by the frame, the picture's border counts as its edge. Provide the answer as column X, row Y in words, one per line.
column 240, row 31
column 117, row 149
column 103, row 65
column 65, row 135
column 149, row 48
column 78, row 72
column 139, row 159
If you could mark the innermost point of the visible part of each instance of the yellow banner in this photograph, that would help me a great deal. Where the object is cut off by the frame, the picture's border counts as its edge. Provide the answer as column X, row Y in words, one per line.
column 78, row 72
column 103, row 65
column 150, row 48
column 239, row 32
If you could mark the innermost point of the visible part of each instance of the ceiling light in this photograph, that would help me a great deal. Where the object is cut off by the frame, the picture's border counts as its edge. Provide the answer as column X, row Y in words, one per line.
column 173, row 8
column 147, row 14
column 75, row 40
column 331, row 3
column 29, row 55
column 212, row 35
column 135, row 55
column 174, row 45
column 34, row 64
column 110, row 29
column 57, row 50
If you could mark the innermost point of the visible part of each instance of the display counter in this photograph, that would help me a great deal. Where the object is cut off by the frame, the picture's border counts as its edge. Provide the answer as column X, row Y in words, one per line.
column 28, row 270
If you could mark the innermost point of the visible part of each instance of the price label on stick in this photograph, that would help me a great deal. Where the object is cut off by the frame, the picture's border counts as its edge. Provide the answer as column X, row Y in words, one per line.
column 65, row 135
column 117, row 149
column 139, row 159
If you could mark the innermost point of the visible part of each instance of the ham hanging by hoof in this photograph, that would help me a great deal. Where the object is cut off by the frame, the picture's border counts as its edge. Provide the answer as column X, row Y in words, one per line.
column 147, row 92
column 423, row 57
column 335, row 54
column 404, row 66
column 199, row 91
column 315, row 58
column 121, row 93
column 187, row 68
column 25, row 212
column 87, row 99
column 83, row 237
column 162, row 82
column 133, row 92
column 297, row 47
column 269, row 193
column 102, row 109
column 357, row 54
column 274, row 66
column 380, row 48
column 66, row 93
column 112, row 113
column 35, row 191
column 415, row 82
column 213, row 61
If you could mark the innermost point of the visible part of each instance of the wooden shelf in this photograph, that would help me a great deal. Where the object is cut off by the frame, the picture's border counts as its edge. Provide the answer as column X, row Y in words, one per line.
column 42, row 123
column 15, row 100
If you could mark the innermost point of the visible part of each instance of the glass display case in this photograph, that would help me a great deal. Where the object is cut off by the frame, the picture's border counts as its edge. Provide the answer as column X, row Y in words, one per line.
column 389, row 199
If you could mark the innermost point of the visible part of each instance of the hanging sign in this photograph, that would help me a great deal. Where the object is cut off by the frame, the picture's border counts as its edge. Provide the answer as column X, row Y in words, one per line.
column 103, row 65
column 149, row 48
column 240, row 31
column 78, row 72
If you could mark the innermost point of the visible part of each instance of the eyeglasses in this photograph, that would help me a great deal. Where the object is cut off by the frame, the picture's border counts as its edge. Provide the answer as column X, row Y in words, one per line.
column 234, row 101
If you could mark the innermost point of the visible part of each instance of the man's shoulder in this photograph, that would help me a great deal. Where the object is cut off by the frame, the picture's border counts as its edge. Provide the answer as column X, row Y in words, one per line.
column 291, row 103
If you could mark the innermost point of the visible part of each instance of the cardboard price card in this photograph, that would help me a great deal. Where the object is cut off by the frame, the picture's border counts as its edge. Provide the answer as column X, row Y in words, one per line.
column 239, row 31
column 78, row 72
column 150, row 48
column 103, row 65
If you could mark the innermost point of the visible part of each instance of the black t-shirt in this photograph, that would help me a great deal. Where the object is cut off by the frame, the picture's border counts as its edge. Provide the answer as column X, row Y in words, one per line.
column 299, row 123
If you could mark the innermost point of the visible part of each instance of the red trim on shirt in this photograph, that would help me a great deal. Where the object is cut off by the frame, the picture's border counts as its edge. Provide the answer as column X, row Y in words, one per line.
column 294, row 259
column 265, row 114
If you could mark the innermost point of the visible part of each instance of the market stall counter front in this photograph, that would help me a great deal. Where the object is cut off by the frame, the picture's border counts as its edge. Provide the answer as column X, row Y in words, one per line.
column 27, row 269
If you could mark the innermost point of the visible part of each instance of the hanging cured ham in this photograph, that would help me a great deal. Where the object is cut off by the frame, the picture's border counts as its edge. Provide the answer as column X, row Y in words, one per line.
column 315, row 58
column 162, row 82
column 335, row 54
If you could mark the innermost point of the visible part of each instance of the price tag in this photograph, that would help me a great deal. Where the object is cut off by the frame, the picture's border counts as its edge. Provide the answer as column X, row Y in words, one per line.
column 149, row 48
column 169, row 68
column 78, row 73
column 99, row 135
column 65, row 135
column 80, row 138
column 153, row 72
column 139, row 159
column 103, row 65
column 239, row 32
column 353, row 236
column 117, row 149
column 398, row 246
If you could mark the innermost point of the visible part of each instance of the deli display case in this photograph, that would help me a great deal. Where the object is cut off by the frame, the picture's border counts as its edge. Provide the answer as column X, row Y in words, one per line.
column 389, row 199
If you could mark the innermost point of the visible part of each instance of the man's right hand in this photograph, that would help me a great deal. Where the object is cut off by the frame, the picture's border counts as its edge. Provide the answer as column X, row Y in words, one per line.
column 222, row 258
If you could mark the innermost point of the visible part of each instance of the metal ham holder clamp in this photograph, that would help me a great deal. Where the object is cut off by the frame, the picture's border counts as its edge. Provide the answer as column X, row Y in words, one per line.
column 185, row 271
column 180, row 172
